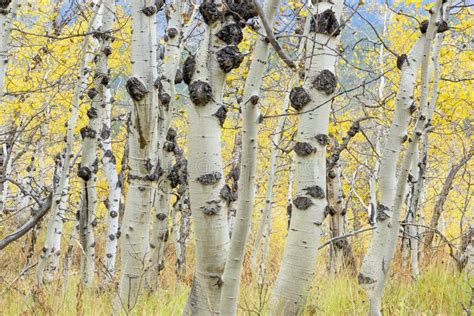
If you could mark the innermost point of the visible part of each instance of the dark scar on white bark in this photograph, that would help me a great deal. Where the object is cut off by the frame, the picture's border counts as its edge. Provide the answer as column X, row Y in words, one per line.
column 136, row 89
column 87, row 132
column 299, row 98
column 209, row 178
column 161, row 216
column 84, row 173
column 325, row 23
column 315, row 191
column 241, row 9
column 304, row 149
column 92, row 93
column 325, row 81
column 229, row 58
column 231, row 34
column 401, row 60
column 4, row 4
column 200, row 92
column 188, row 69
column 92, row 113
column 228, row 194
column 302, row 202
column 165, row 100
column 210, row 13
column 150, row 10
column 424, row 26
column 111, row 236
column 213, row 207
column 322, row 139
column 221, row 115
column 328, row 210
column 172, row 32
column 105, row 132
column 113, row 214
column 442, row 26
column 382, row 212
column 362, row 279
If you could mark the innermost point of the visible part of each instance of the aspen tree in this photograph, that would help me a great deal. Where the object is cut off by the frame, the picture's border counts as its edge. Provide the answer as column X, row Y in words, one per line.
column 144, row 167
column 52, row 246
column 313, row 102
column 205, row 75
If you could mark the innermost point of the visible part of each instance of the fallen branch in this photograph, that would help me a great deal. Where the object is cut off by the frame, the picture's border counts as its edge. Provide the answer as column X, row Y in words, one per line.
column 44, row 208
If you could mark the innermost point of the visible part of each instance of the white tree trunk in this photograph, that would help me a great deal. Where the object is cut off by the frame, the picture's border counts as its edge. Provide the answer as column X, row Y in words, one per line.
column 313, row 103
column 143, row 163
column 8, row 11
column 52, row 245
column 248, row 162
column 377, row 262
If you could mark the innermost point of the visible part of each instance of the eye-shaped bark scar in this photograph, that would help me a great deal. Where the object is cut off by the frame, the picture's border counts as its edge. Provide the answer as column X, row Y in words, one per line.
column 209, row 178
column 304, row 149
column 136, row 89
column 229, row 58
column 302, row 202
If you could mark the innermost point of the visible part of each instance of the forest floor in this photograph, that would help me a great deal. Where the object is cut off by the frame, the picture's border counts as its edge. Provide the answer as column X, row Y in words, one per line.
column 439, row 291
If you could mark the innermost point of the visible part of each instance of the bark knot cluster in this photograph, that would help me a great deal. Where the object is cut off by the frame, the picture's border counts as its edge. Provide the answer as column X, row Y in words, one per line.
column 136, row 89
column 325, row 81
column 209, row 178
column 302, row 202
column 200, row 92
column 299, row 98
column 229, row 58
column 303, row 149
column 325, row 23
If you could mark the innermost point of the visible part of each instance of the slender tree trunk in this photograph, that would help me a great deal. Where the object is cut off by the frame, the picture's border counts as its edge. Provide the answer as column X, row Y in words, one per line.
column 218, row 55
column 246, row 182
column 376, row 264
column 144, row 168
column 312, row 101
column 8, row 11
column 52, row 245
column 232, row 188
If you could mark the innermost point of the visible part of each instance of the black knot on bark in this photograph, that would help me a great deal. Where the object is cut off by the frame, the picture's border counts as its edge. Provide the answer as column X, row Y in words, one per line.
column 159, row 4
column 171, row 134
column 302, row 202
column 178, row 78
column 221, row 115
column 424, row 26
column 229, row 58
column 299, row 98
column 442, row 26
column 241, row 9
column 228, row 194
column 210, row 13
column 355, row 128
column 209, row 178
column 105, row 132
column 169, row 146
column 200, row 92
column 4, row 4
column 331, row 174
column 150, row 10
column 92, row 113
column 158, row 85
column 88, row 132
column 325, row 81
column 136, row 89
column 112, row 237
column 322, row 139
column 401, row 60
column 92, row 93
column 84, row 173
column 325, row 23
column 188, row 69
column 412, row 108
column 362, row 279
column 165, row 99
column 231, row 34
column 382, row 212
column 328, row 210
column 212, row 208
column 303, row 149
column 172, row 32
column 341, row 243
column 161, row 216
column 107, row 50
column 315, row 191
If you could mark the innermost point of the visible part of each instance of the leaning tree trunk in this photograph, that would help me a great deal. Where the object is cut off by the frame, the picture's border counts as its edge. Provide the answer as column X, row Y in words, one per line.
column 218, row 55
column 248, row 164
column 376, row 264
column 55, row 223
column 144, row 168
column 313, row 103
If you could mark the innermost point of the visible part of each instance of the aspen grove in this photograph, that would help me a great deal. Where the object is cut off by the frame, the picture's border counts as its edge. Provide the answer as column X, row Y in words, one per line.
column 236, row 157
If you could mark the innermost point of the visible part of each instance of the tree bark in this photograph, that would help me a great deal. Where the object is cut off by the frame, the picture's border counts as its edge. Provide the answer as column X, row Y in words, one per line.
column 313, row 103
